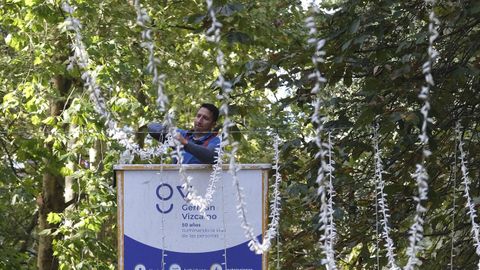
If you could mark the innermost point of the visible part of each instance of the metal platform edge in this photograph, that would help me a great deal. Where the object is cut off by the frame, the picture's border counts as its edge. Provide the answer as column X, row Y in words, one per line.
column 173, row 167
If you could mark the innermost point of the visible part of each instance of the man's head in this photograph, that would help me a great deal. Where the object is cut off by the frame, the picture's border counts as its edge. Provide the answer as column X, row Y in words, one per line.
column 206, row 118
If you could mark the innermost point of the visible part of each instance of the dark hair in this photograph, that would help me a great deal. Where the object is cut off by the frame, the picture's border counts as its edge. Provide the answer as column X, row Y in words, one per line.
column 213, row 109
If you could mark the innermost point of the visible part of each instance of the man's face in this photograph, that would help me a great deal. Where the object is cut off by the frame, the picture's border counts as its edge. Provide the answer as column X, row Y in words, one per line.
column 203, row 121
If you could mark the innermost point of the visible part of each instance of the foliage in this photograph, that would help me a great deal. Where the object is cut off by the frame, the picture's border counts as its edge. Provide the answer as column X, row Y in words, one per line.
column 374, row 53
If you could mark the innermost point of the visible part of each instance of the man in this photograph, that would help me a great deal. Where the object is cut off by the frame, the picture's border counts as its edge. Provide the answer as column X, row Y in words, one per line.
column 200, row 143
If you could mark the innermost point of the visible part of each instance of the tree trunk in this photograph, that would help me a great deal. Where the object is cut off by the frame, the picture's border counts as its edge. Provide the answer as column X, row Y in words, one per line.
column 51, row 201
column 53, row 184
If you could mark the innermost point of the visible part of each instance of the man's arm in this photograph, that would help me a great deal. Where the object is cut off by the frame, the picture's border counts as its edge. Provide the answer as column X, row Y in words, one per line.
column 206, row 155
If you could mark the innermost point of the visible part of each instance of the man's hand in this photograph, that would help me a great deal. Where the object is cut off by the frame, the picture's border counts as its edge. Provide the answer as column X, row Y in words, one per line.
column 181, row 139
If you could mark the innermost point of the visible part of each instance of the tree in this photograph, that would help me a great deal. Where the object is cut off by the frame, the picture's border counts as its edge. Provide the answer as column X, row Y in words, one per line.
column 375, row 50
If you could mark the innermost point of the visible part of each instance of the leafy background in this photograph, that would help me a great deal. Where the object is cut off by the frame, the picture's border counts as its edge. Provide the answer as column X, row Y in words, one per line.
column 374, row 53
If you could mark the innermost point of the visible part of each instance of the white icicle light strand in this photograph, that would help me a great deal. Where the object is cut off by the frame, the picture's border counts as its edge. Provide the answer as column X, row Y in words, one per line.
column 158, row 79
column 81, row 59
column 202, row 202
column 331, row 230
column 470, row 205
column 421, row 175
column 192, row 194
column 254, row 244
column 382, row 201
column 326, row 226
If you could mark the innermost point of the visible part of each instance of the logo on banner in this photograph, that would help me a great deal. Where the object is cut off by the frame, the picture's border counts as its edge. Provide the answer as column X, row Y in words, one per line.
column 140, row 267
column 175, row 267
column 216, row 266
column 165, row 192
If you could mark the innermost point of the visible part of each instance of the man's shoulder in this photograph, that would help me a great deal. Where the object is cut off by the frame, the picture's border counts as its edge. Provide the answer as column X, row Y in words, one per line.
column 215, row 139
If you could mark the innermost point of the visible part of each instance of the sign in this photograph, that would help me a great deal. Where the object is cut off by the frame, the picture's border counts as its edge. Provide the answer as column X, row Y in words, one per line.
column 159, row 230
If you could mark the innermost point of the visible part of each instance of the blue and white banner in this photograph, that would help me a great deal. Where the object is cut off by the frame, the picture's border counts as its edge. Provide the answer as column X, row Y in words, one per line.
column 161, row 231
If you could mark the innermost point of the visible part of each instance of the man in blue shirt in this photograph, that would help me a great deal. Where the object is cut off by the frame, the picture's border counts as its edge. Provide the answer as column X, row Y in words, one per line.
column 200, row 143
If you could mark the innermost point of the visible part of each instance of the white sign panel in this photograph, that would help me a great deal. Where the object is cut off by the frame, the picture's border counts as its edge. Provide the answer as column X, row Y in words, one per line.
column 159, row 230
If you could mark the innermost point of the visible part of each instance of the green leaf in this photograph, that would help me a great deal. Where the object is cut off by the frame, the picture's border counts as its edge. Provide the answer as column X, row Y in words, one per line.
column 230, row 9
column 9, row 97
column 355, row 25
column 49, row 121
column 238, row 37
column 65, row 171
column 13, row 42
column 346, row 45
column 195, row 18
column 35, row 120
column 29, row 3
column 235, row 131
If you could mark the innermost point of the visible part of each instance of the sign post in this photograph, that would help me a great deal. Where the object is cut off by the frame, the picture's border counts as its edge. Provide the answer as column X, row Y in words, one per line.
column 159, row 230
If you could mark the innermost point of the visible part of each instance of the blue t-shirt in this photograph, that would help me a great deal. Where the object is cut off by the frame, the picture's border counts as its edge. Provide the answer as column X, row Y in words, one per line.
column 189, row 150
column 195, row 152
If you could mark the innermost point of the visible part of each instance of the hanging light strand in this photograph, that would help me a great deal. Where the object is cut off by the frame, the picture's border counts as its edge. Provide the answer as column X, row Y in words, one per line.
column 454, row 202
column 382, row 201
column 81, row 58
column 466, row 186
column 158, row 80
column 275, row 208
column 193, row 197
column 317, row 58
column 331, row 230
column 148, row 43
column 213, row 35
column 421, row 174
